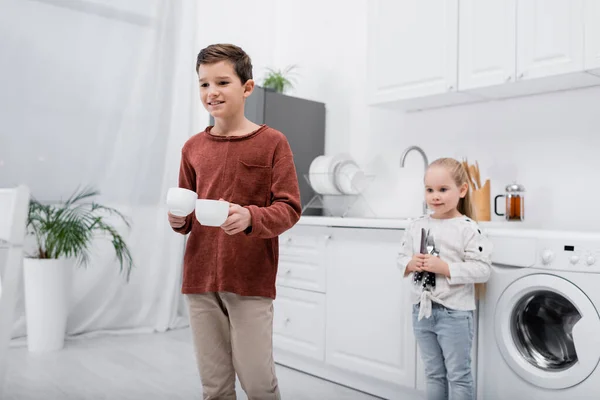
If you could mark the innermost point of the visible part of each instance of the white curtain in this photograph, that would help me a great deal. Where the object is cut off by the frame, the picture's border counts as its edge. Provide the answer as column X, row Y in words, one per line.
column 104, row 93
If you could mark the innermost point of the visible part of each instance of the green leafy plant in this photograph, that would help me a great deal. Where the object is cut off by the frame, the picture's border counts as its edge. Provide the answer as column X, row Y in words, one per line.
column 279, row 80
column 67, row 229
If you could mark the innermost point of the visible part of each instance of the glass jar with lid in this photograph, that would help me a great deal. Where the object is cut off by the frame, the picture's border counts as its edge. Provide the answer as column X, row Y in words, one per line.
column 514, row 209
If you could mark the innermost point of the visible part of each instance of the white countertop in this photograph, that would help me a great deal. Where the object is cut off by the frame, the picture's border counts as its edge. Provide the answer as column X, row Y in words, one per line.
column 493, row 228
column 380, row 223
column 392, row 223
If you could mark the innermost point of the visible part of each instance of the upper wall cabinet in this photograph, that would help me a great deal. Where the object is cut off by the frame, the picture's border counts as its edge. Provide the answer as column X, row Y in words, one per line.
column 427, row 53
column 487, row 49
column 592, row 36
column 536, row 45
column 412, row 50
column 550, row 37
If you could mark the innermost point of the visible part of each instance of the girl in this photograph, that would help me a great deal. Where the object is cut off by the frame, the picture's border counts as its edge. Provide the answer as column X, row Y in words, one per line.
column 445, row 255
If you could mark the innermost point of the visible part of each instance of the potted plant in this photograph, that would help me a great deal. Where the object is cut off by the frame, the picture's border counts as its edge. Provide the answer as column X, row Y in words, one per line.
column 279, row 80
column 63, row 236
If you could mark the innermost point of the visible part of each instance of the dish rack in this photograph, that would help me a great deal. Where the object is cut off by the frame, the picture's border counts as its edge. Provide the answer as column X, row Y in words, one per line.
column 340, row 204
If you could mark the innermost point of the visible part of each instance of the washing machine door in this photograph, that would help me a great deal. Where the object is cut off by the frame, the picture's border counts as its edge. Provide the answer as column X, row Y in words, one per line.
column 546, row 329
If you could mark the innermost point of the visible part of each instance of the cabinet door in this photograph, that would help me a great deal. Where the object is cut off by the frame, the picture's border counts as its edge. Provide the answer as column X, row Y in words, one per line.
column 592, row 36
column 301, row 251
column 299, row 322
column 550, row 37
column 368, row 323
column 487, row 43
column 412, row 48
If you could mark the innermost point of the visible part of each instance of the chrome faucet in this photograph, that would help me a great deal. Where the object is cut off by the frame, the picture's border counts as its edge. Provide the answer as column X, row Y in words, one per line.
column 403, row 159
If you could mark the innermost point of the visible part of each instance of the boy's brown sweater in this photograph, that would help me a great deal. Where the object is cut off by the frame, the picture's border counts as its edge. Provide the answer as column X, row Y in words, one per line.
column 255, row 171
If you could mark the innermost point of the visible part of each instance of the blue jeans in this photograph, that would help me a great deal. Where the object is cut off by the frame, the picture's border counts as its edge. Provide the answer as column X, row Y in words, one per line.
column 445, row 341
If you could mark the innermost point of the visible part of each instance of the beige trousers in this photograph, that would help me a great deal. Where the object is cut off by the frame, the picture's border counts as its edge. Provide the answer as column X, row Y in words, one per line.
column 234, row 334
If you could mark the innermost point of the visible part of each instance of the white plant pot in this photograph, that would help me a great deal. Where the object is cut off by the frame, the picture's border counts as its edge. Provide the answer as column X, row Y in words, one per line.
column 47, row 293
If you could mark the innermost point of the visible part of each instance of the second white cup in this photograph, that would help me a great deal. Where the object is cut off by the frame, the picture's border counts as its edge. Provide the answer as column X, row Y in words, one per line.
column 211, row 212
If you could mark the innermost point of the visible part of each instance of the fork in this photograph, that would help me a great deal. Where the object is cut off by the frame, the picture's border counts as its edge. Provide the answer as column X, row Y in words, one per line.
column 429, row 243
column 431, row 247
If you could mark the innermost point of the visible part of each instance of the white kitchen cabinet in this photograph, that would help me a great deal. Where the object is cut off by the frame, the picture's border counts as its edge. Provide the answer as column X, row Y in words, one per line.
column 343, row 311
column 487, row 43
column 368, row 322
column 550, row 47
column 511, row 48
column 299, row 322
column 592, row 36
column 301, row 258
column 425, row 54
column 550, row 38
column 413, row 52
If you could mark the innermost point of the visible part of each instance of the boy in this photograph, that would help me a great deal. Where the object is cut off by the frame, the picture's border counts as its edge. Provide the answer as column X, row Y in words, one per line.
column 229, row 272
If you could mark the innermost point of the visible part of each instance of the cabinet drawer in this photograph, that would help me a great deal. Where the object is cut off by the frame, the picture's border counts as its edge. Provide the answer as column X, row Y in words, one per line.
column 301, row 255
column 299, row 322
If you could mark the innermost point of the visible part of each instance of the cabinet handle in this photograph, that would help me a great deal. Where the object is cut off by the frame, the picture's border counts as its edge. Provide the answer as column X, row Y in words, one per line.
column 289, row 240
column 450, row 88
column 287, row 321
column 328, row 237
column 509, row 78
column 288, row 271
column 521, row 75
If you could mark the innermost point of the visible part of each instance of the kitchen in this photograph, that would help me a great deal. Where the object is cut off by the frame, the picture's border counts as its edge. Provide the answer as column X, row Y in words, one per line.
column 543, row 141
column 536, row 136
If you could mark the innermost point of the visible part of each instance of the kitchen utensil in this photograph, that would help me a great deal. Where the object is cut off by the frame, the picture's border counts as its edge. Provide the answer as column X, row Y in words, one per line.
column 320, row 177
column 423, row 247
column 418, row 276
column 427, row 247
column 349, row 178
column 514, row 203
column 429, row 278
column 475, row 176
column 481, row 199
column 478, row 174
column 465, row 165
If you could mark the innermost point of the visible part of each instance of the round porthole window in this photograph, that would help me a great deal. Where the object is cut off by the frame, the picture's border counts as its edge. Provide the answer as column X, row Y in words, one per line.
column 542, row 329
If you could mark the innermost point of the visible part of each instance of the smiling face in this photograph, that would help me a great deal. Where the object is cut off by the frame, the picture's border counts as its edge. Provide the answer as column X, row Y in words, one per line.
column 221, row 90
column 442, row 193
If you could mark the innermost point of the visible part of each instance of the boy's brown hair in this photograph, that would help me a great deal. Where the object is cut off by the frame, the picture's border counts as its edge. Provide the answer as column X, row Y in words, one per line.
column 227, row 52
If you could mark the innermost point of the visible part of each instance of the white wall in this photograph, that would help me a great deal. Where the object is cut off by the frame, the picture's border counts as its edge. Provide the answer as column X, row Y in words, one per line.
column 548, row 143
column 327, row 49
column 327, row 40
column 253, row 28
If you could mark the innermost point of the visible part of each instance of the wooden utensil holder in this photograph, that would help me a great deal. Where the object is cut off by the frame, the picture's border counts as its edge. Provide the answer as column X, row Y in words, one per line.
column 482, row 202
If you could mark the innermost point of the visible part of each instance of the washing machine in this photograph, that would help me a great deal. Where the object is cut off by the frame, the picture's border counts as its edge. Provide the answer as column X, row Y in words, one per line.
column 539, row 326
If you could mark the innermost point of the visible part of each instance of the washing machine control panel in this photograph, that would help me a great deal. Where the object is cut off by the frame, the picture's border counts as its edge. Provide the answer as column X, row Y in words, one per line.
column 569, row 255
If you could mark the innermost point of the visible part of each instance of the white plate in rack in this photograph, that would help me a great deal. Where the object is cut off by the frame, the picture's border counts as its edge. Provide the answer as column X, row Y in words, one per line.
column 332, row 175
column 319, row 176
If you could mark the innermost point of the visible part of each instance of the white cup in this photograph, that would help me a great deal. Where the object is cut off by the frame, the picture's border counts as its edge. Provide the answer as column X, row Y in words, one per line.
column 181, row 202
column 211, row 212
